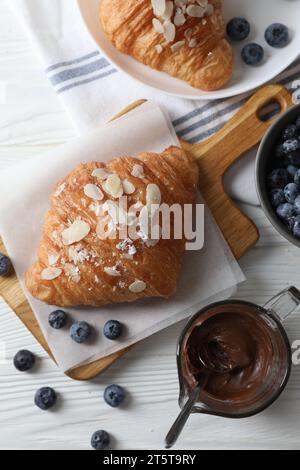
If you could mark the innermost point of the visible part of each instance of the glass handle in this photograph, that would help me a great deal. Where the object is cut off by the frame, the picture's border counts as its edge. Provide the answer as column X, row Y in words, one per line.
column 284, row 303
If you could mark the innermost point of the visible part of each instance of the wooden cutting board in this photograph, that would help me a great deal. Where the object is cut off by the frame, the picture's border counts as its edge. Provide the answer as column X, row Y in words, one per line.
column 215, row 156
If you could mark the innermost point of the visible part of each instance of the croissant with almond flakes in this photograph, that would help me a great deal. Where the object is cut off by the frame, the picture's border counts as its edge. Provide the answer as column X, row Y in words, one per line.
column 85, row 258
column 184, row 38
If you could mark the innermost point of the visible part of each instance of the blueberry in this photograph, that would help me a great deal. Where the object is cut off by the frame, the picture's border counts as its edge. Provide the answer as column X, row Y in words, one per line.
column 279, row 153
column 112, row 329
column 296, row 228
column 278, row 178
column 277, row 35
column 238, row 29
column 57, row 319
column 285, row 211
column 24, row 360
column 290, row 132
column 80, row 331
column 292, row 170
column 277, row 197
column 252, row 54
column 45, row 398
column 114, row 395
column 294, row 158
column 290, row 222
column 291, row 191
column 290, row 146
column 100, row 440
column 298, row 123
column 297, row 205
column 297, row 178
column 5, row 265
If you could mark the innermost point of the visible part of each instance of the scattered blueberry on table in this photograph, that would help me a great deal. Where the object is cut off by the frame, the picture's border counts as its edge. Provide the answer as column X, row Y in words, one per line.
column 24, row 360
column 114, row 395
column 5, row 265
column 283, row 180
column 80, row 332
column 253, row 54
column 112, row 329
column 238, row 29
column 100, row 440
column 45, row 398
column 277, row 35
column 58, row 319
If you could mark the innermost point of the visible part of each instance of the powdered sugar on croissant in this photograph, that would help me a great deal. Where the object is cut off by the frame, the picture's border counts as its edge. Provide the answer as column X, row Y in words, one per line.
column 77, row 265
column 184, row 38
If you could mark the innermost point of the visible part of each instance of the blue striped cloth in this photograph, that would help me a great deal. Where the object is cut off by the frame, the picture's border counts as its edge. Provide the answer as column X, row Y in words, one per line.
column 92, row 90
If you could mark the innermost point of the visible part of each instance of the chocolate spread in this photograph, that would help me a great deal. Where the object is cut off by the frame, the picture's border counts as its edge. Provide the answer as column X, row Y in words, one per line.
column 238, row 345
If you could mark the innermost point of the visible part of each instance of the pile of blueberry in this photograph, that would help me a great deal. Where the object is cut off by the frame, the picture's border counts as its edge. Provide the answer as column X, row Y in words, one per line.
column 284, row 179
column 276, row 35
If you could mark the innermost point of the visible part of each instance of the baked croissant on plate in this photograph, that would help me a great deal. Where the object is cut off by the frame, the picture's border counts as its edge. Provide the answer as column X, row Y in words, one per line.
column 184, row 38
column 86, row 258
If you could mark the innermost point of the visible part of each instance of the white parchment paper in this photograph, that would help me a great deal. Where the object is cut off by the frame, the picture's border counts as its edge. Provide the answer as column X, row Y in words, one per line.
column 25, row 191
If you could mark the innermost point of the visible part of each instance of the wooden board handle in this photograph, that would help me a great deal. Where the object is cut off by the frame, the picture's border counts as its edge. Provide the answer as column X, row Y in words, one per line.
column 216, row 155
column 242, row 132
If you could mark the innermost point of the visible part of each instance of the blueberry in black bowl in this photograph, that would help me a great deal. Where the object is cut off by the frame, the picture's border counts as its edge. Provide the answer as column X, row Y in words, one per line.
column 58, row 319
column 296, row 227
column 277, row 35
column 112, row 329
column 45, row 398
column 238, row 29
column 24, row 360
column 291, row 191
column 253, row 54
column 5, row 265
column 114, row 395
column 278, row 174
column 100, row 440
column 80, row 332
column 278, row 178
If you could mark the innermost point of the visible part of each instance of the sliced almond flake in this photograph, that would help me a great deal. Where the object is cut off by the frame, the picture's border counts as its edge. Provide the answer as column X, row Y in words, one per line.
column 188, row 34
column 72, row 272
column 209, row 9
column 105, row 228
column 159, row 7
column 167, row 15
column 179, row 18
column 137, row 286
column 97, row 280
column 193, row 43
column 53, row 258
column 195, row 11
column 76, row 232
column 159, row 48
column 49, row 274
column 158, row 26
column 138, row 171
column 170, row 31
column 112, row 271
column 101, row 174
column 113, row 186
column 128, row 187
column 178, row 45
column 93, row 192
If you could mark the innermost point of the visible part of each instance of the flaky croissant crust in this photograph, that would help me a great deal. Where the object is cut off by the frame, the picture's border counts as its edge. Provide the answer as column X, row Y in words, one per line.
column 84, row 278
column 208, row 66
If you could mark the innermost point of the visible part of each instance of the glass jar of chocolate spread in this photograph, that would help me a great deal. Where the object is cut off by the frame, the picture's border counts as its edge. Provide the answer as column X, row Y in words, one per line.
column 250, row 343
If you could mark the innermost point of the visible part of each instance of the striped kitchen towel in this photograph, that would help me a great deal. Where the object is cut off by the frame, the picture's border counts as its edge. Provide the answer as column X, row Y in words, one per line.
column 92, row 90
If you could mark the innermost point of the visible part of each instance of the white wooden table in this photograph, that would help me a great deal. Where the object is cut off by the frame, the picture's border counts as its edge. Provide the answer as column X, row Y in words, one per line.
column 31, row 121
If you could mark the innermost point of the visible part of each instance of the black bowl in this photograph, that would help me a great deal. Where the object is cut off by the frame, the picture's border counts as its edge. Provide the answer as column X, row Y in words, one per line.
column 263, row 163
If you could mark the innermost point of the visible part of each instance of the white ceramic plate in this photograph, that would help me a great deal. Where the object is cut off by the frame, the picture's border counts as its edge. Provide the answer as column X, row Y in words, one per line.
column 260, row 13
